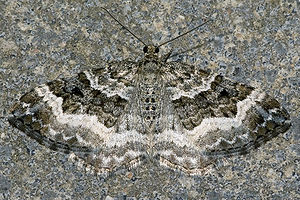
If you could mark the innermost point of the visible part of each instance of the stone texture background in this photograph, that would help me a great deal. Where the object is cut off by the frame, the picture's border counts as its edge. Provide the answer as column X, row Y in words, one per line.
column 255, row 42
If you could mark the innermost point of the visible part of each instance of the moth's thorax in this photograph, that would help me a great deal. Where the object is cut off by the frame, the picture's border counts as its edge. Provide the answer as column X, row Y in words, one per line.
column 150, row 72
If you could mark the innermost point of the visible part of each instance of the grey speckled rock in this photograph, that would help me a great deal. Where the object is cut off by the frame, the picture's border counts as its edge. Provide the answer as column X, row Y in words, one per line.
column 255, row 43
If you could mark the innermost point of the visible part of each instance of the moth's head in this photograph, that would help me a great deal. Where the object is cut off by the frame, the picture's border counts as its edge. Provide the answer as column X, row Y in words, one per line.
column 151, row 52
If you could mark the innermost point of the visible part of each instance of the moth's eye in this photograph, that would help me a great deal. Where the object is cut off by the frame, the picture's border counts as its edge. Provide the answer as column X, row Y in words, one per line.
column 156, row 50
column 145, row 49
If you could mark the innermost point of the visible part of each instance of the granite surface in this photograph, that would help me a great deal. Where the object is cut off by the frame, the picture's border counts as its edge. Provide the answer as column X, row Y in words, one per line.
column 253, row 42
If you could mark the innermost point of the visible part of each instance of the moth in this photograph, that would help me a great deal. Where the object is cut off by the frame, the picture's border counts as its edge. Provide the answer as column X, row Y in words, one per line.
column 122, row 113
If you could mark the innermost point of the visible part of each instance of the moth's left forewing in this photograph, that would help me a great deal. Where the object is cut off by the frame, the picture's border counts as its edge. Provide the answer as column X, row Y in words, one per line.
column 84, row 115
column 217, row 117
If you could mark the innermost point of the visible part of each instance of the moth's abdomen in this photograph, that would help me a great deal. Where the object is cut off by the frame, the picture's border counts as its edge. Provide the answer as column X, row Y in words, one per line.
column 150, row 105
column 150, row 93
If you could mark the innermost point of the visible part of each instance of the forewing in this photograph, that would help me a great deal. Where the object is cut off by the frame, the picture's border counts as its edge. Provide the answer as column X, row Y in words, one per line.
column 84, row 115
column 215, row 117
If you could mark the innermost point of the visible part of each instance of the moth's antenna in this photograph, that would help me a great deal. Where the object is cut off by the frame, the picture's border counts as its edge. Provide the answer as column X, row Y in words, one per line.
column 183, row 34
column 124, row 26
column 182, row 52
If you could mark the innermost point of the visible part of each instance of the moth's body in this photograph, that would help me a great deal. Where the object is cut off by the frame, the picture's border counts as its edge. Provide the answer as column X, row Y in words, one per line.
column 151, row 90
